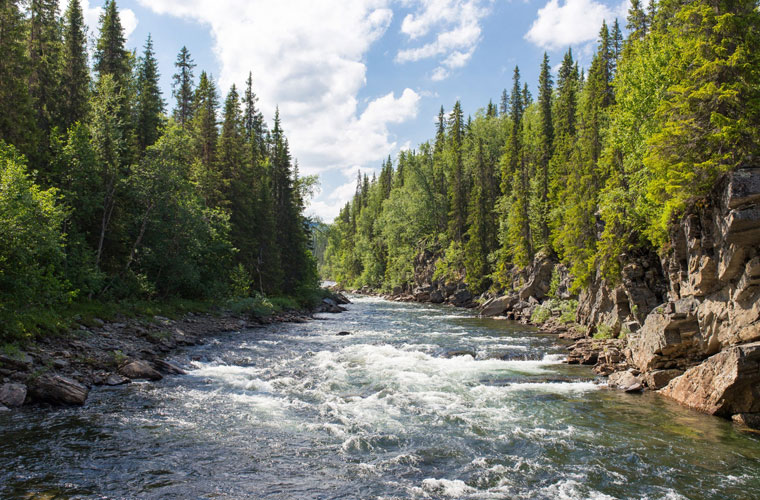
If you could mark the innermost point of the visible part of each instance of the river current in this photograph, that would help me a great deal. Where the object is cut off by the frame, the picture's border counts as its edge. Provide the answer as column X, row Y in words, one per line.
column 418, row 402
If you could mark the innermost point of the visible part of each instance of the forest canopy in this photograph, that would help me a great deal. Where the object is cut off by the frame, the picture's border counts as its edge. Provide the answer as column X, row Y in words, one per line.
column 106, row 195
column 590, row 169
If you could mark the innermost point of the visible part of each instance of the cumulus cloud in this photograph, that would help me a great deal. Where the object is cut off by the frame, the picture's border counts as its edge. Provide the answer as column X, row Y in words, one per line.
column 308, row 58
column 456, row 26
column 571, row 22
column 92, row 18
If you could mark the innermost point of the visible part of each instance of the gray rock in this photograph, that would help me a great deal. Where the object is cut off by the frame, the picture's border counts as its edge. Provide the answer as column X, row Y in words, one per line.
column 12, row 395
column 168, row 368
column 4, row 409
column 460, row 352
column 17, row 361
column 626, row 381
column 116, row 379
column 498, row 305
column 58, row 390
column 140, row 369
column 724, row 384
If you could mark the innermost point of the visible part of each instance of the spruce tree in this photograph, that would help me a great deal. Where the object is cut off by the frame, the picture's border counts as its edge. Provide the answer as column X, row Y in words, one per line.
column 182, row 87
column 17, row 124
column 206, row 135
column 73, row 103
column 44, row 48
column 456, row 177
column 111, row 58
column 149, row 104
column 545, row 92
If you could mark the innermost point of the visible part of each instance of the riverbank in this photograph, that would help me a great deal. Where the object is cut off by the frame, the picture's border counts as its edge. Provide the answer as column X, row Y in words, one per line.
column 60, row 369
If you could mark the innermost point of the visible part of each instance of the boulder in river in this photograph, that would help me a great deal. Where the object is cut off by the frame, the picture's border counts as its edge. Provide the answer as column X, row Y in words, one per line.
column 12, row 395
column 459, row 352
column 342, row 334
column 498, row 305
column 58, row 390
column 725, row 384
column 115, row 379
column 140, row 369
column 168, row 368
column 627, row 381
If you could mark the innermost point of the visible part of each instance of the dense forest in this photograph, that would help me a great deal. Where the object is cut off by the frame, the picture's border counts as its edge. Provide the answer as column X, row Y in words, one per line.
column 591, row 168
column 105, row 196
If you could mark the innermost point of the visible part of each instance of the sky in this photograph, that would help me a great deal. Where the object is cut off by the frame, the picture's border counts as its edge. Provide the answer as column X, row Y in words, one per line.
column 359, row 80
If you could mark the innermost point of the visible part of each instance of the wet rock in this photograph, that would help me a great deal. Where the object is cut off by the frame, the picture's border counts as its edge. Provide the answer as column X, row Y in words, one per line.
column 140, row 369
column 12, row 395
column 4, row 409
column 627, row 381
column 436, row 297
column 658, row 379
column 168, row 368
column 58, row 390
column 461, row 298
column 583, row 352
column 751, row 420
column 115, row 379
column 343, row 334
column 725, row 384
column 498, row 305
column 459, row 352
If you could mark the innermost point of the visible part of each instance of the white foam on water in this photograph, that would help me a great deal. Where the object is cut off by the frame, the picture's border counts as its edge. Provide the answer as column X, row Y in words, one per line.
column 239, row 377
column 446, row 487
column 554, row 387
column 570, row 489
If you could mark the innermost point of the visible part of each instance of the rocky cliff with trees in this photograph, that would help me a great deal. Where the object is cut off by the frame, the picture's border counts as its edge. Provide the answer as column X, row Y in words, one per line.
column 621, row 199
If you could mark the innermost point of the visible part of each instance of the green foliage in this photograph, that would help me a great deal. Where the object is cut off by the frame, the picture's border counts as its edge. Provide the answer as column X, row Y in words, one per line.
column 31, row 247
column 603, row 331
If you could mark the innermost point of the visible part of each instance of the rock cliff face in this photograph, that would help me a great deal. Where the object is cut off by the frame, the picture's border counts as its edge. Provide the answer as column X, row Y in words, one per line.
column 710, row 324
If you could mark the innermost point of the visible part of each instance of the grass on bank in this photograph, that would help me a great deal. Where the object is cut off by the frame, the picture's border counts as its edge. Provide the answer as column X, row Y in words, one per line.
column 35, row 323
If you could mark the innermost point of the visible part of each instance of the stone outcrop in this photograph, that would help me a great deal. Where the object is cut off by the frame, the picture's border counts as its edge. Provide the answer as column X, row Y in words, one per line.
column 702, row 345
column 624, row 308
column 58, row 390
column 726, row 383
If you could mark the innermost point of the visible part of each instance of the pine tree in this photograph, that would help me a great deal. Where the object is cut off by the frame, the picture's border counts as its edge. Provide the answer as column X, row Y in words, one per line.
column 456, row 182
column 545, row 91
column 17, row 124
column 182, row 87
column 206, row 135
column 150, row 104
column 479, row 233
column 504, row 103
column 74, row 93
column 44, row 47
column 111, row 58
column 638, row 23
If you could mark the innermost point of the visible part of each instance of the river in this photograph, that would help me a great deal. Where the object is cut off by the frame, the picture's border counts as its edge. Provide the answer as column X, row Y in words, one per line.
column 295, row 411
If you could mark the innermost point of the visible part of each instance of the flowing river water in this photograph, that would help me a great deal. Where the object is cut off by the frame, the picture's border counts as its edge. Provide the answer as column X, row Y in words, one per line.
column 294, row 411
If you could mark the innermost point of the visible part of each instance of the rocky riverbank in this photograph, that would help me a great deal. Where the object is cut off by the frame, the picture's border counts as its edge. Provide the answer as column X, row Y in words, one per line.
column 61, row 369
column 685, row 323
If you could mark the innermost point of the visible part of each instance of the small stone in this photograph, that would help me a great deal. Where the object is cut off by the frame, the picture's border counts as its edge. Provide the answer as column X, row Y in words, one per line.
column 60, row 364
column 116, row 379
column 342, row 334
column 12, row 395
column 140, row 369
column 4, row 408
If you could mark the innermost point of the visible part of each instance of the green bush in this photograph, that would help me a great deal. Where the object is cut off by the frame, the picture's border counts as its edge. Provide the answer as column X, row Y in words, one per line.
column 31, row 248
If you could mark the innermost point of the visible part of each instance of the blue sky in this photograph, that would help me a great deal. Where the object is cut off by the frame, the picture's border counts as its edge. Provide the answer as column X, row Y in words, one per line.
column 357, row 80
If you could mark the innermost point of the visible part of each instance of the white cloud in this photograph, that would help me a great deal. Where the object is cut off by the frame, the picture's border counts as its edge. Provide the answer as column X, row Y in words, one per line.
column 574, row 22
column 308, row 57
column 456, row 24
column 92, row 18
